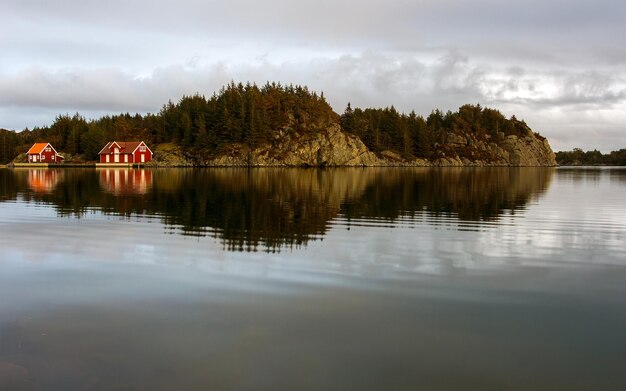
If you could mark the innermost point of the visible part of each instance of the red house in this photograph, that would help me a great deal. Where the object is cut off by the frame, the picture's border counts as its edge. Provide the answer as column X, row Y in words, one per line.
column 134, row 152
column 43, row 153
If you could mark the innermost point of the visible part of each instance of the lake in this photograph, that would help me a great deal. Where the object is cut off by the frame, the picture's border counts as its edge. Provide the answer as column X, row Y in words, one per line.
column 308, row 279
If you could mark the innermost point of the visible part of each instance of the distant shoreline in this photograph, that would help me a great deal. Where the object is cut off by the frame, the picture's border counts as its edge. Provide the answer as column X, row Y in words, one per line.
column 166, row 166
column 152, row 166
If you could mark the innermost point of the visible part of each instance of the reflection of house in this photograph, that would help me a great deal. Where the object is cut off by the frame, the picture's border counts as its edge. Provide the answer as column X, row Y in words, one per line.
column 43, row 181
column 43, row 153
column 133, row 152
column 124, row 181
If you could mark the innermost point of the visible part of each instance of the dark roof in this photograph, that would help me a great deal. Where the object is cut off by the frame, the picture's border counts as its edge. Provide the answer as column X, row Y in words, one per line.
column 125, row 146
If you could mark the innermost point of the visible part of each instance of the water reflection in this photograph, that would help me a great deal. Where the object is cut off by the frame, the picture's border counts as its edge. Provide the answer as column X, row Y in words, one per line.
column 592, row 174
column 125, row 181
column 493, row 278
column 465, row 194
column 43, row 181
column 270, row 209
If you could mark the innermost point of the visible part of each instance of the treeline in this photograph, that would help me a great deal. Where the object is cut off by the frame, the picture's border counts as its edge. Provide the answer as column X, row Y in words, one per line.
column 253, row 115
column 237, row 113
column 246, row 114
column 9, row 145
column 578, row 157
column 412, row 135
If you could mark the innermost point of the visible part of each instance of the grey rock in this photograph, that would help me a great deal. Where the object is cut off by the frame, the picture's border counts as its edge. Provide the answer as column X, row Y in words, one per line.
column 333, row 147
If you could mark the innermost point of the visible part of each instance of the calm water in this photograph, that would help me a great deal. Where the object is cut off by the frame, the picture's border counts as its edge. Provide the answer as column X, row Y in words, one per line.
column 349, row 279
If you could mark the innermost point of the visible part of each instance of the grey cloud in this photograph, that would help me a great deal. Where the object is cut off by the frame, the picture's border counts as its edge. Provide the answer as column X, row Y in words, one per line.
column 366, row 23
column 93, row 89
column 583, row 89
column 575, row 33
column 408, row 82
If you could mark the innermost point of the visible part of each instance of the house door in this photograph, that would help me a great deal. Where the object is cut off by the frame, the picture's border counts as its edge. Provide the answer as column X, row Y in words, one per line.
column 143, row 158
column 108, row 158
column 116, row 158
column 35, row 158
column 125, row 158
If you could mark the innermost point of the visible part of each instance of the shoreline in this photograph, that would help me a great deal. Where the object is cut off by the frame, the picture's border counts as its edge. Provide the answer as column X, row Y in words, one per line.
column 304, row 166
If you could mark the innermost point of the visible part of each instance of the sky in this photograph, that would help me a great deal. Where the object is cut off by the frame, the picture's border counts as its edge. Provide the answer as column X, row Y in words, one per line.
column 560, row 64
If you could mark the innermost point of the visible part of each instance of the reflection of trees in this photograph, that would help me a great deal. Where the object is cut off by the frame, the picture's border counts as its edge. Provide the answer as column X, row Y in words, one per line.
column 8, row 185
column 277, row 208
column 248, row 208
column 592, row 174
column 466, row 193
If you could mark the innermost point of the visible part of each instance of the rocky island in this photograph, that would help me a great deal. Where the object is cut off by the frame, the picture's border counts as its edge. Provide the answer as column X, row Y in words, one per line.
column 289, row 126
column 333, row 147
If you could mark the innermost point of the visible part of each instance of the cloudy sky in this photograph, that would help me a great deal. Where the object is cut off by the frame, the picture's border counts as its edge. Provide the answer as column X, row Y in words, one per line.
column 559, row 64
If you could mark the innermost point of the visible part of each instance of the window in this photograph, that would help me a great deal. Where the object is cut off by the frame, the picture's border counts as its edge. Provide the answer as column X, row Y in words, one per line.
column 142, row 148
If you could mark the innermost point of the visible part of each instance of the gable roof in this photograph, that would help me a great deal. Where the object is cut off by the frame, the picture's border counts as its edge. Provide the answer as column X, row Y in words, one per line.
column 37, row 148
column 106, row 147
column 125, row 146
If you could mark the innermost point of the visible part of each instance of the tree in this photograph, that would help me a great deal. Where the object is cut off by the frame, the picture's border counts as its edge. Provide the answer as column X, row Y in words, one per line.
column 8, row 145
column 186, row 126
column 122, row 128
column 92, row 141
column 347, row 119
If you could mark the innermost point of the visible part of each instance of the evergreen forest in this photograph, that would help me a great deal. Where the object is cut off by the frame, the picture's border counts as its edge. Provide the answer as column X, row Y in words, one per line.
column 254, row 115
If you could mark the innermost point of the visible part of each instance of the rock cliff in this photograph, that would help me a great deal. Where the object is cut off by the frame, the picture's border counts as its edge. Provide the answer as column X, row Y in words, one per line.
column 333, row 147
column 329, row 147
column 531, row 150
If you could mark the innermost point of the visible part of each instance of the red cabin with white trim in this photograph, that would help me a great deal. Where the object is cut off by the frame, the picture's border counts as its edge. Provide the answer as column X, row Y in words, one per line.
column 125, row 152
column 43, row 153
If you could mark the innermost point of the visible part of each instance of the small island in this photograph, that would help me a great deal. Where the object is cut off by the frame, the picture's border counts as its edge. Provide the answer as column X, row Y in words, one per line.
column 290, row 126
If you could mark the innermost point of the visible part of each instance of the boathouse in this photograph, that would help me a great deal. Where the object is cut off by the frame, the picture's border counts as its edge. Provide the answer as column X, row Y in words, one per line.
column 125, row 152
column 43, row 153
